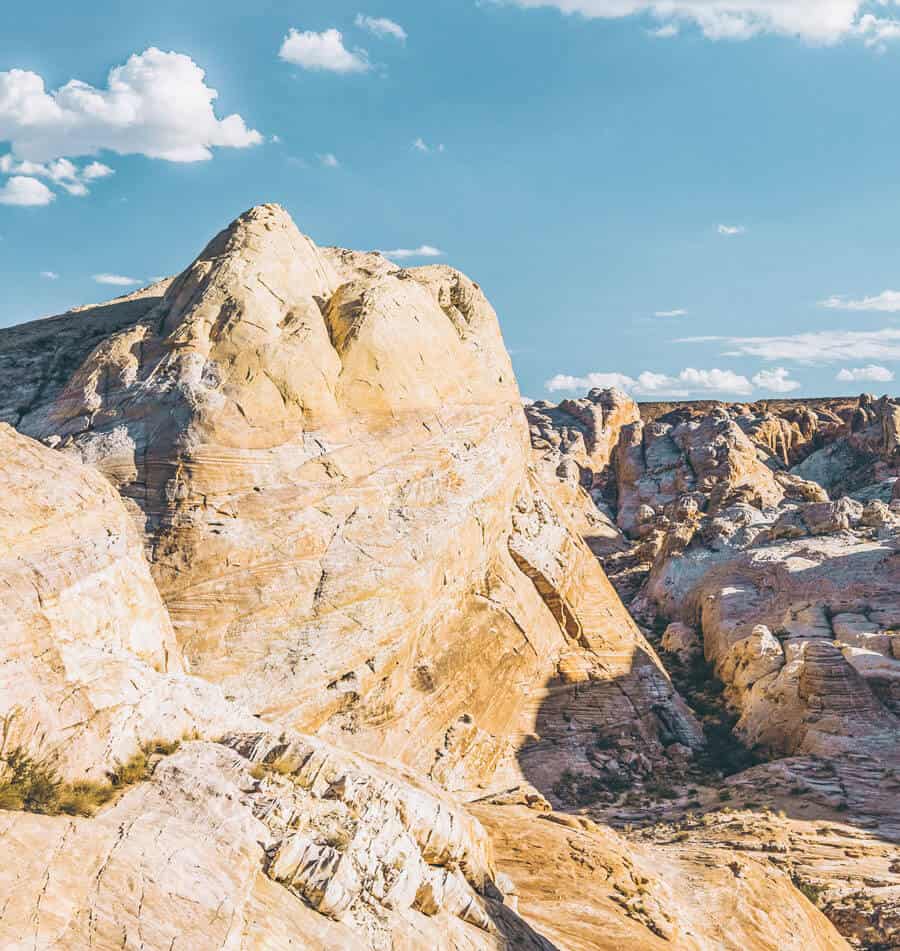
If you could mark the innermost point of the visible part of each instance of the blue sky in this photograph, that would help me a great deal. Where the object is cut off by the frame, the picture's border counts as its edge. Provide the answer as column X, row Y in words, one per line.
column 692, row 198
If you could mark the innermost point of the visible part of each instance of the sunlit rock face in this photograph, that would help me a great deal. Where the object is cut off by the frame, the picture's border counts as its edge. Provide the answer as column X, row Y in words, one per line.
column 89, row 664
column 328, row 459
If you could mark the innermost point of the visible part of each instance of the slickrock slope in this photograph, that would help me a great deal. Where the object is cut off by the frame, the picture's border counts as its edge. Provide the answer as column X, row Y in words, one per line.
column 328, row 458
column 242, row 838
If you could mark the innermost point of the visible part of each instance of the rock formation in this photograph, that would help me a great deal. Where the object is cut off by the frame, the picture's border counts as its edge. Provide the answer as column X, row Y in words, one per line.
column 738, row 540
column 306, row 644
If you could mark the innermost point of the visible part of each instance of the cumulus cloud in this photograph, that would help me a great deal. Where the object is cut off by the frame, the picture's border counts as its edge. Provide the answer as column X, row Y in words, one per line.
column 381, row 27
column 61, row 172
column 872, row 373
column 323, row 51
column 776, row 381
column 689, row 382
column 885, row 301
column 157, row 105
column 731, row 230
column 24, row 191
column 423, row 251
column 116, row 280
column 824, row 346
column 816, row 21
column 671, row 313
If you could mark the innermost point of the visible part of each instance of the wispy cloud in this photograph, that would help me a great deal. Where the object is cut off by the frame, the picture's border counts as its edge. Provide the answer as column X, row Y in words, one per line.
column 50, row 275
column 329, row 160
column 686, row 383
column 888, row 301
column 871, row 373
column 420, row 145
column 381, row 27
column 824, row 346
column 323, row 51
column 423, row 251
column 671, row 313
column 730, row 231
column 117, row 280
column 60, row 172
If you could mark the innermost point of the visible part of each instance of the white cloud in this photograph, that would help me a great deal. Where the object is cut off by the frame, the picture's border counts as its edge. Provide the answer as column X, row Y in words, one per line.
column 381, row 26
column 117, row 280
column 816, row 21
column 824, row 346
column 329, row 160
column 731, row 230
column 688, row 382
column 61, row 172
column 157, row 105
column 888, row 301
column 50, row 275
column 420, row 145
column 96, row 170
column 423, row 251
column 877, row 31
column 666, row 32
column 323, row 51
column 776, row 381
column 873, row 373
column 23, row 191
column 671, row 313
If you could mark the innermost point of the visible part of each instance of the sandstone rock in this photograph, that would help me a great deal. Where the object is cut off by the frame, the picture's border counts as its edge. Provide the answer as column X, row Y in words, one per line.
column 90, row 666
column 325, row 454
column 753, row 658
column 682, row 640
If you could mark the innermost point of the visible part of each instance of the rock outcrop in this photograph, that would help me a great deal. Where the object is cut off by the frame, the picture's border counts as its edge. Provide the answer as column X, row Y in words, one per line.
column 305, row 645
column 740, row 543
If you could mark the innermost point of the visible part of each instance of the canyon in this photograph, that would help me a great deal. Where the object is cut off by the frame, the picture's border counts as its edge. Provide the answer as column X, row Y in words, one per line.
column 316, row 635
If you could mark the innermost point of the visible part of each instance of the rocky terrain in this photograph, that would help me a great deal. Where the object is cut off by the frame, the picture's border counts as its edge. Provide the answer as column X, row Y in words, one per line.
column 312, row 638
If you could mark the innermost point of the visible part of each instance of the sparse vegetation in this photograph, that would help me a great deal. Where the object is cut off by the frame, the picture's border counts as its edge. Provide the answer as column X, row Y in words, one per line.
column 811, row 891
column 29, row 783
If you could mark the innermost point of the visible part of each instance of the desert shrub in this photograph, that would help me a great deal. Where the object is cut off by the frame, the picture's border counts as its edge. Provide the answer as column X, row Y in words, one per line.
column 661, row 790
column 30, row 783
column 812, row 892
